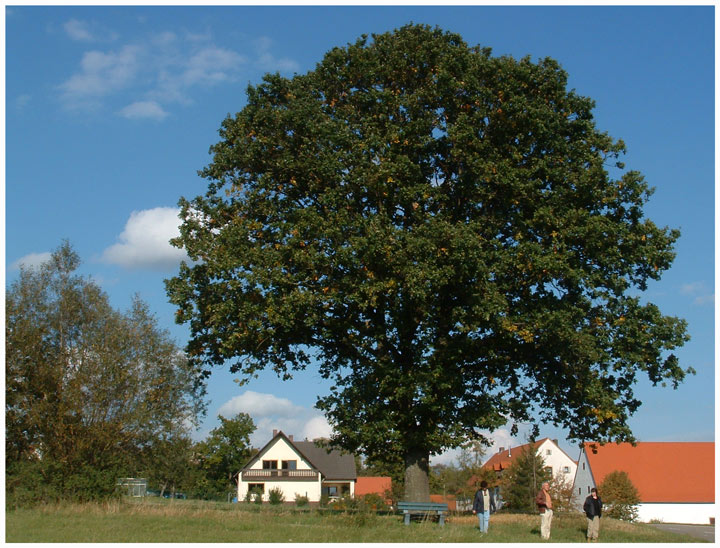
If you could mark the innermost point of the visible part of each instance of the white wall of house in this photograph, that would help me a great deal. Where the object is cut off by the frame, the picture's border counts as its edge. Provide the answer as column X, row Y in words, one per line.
column 583, row 482
column 699, row 513
column 555, row 458
column 281, row 451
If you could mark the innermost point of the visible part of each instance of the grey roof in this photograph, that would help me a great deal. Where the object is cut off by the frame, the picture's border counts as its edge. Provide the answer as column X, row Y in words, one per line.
column 334, row 465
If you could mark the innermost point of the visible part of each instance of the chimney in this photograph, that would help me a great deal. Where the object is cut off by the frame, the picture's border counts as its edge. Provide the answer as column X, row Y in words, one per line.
column 556, row 443
column 274, row 432
column 501, row 450
column 290, row 437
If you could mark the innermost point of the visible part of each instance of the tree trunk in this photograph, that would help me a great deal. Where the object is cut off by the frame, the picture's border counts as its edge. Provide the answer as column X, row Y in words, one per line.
column 417, row 482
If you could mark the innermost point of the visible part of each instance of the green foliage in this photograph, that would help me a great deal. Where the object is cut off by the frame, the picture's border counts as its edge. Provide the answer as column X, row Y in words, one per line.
column 620, row 497
column 224, row 452
column 523, row 480
column 91, row 392
column 372, row 502
column 276, row 496
column 561, row 491
column 439, row 231
column 301, row 500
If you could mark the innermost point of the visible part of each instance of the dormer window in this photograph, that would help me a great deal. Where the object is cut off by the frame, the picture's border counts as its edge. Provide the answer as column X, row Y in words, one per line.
column 270, row 465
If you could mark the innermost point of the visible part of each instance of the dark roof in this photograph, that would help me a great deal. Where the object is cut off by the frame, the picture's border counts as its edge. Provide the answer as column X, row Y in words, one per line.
column 333, row 465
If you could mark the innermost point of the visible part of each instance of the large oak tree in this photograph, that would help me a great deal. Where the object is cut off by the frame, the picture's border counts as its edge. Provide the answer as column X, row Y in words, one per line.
column 438, row 231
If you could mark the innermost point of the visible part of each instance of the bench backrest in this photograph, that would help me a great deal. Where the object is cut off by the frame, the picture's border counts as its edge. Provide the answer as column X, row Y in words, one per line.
column 423, row 506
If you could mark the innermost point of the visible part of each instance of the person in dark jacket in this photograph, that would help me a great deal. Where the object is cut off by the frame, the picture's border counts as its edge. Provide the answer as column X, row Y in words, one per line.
column 483, row 503
column 593, row 511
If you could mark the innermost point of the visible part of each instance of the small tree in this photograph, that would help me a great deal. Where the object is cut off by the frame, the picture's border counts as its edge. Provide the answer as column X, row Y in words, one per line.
column 620, row 497
column 522, row 481
column 276, row 496
column 561, row 491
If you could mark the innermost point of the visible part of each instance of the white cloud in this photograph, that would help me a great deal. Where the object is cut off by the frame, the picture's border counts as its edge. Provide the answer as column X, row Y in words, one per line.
column 269, row 62
column 270, row 412
column 699, row 291
column 145, row 242
column 22, row 101
column 317, row 427
column 158, row 69
column 78, row 30
column 210, row 65
column 143, row 110
column 691, row 288
column 259, row 405
column 101, row 74
column 704, row 299
column 31, row 260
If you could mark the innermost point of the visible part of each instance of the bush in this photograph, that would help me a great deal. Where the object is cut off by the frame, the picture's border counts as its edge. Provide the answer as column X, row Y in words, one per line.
column 253, row 495
column 276, row 496
column 28, row 483
column 301, row 500
column 372, row 502
column 620, row 497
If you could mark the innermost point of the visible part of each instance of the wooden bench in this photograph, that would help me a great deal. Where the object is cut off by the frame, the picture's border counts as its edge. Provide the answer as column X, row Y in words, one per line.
column 424, row 508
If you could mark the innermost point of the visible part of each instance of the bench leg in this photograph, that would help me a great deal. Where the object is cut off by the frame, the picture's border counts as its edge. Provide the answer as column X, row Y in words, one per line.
column 407, row 518
column 442, row 519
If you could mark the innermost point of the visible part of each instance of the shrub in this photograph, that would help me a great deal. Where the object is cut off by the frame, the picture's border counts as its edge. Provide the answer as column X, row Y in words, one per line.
column 620, row 497
column 253, row 495
column 276, row 496
column 301, row 500
column 372, row 502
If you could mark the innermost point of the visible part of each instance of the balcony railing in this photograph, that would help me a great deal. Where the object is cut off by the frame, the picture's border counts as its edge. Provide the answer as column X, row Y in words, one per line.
column 275, row 474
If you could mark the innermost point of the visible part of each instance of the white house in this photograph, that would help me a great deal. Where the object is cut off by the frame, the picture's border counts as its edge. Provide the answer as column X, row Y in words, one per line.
column 557, row 460
column 298, row 468
column 675, row 480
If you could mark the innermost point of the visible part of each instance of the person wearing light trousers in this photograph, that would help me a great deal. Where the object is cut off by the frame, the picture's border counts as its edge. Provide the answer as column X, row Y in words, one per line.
column 483, row 503
column 544, row 504
column 593, row 511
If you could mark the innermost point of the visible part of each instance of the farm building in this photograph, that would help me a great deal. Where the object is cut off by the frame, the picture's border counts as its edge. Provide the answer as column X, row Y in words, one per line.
column 298, row 468
column 675, row 480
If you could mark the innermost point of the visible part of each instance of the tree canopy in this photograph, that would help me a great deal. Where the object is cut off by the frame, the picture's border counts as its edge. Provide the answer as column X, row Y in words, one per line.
column 225, row 451
column 437, row 231
column 89, row 390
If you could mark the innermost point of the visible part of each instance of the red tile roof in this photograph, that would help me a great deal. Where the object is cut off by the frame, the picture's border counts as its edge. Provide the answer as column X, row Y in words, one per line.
column 661, row 471
column 503, row 459
column 372, row 484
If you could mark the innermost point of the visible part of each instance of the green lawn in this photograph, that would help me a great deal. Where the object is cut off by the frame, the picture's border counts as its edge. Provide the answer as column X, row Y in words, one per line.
column 156, row 520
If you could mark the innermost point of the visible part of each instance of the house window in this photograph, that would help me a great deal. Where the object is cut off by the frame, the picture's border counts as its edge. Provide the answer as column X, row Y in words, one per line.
column 269, row 465
column 548, row 469
column 548, row 452
column 588, row 489
column 256, row 488
column 289, row 465
column 579, row 490
column 583, row 466
column 566, row 469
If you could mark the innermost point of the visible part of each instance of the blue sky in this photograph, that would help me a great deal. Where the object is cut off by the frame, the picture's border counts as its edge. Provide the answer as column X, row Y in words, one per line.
column 110, row 112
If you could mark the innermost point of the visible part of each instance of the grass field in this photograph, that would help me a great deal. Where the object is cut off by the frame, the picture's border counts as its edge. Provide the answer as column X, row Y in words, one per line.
column 153, row 520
